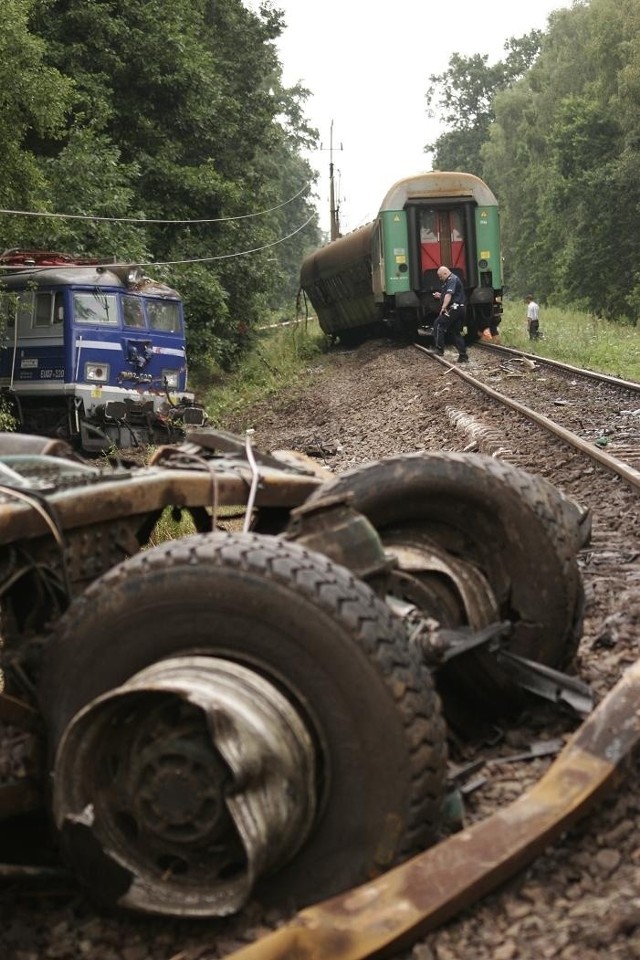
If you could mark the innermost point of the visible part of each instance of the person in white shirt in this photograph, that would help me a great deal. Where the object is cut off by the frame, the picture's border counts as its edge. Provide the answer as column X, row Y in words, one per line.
column 533, row 317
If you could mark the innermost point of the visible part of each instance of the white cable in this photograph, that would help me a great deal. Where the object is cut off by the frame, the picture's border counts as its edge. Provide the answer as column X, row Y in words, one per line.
column 255, row 479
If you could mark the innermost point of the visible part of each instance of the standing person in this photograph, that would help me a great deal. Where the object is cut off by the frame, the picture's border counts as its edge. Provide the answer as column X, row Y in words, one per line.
column 533, row 317
column 452, row 313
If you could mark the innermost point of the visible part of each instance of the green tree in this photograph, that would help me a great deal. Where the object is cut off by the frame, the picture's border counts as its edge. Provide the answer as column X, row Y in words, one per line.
column 34, row 97
column 464, row 95
column 179, row 104
column 563, row 159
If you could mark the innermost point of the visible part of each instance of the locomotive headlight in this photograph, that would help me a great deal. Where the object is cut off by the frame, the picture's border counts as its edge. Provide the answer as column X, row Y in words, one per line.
column 134, row 275
column 171, row 379
column 483, row 264
column 96, row 372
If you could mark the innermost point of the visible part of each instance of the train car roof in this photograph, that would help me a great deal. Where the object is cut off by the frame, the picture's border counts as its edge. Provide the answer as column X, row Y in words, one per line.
column 352, row 247
column 82, row 276
column 438, row 183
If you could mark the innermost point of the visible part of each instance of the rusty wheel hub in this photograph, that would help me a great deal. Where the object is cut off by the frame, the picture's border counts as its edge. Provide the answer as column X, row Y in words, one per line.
column 195, row 777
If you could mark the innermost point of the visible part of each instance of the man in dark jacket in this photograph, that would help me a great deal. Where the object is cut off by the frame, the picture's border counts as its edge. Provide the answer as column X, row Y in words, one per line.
column 452, row 313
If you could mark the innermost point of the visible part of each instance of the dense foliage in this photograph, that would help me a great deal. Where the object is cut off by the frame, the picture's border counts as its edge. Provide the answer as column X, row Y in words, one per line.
column 175, row 111
column 559, row 144
column 163, row 110
column 464, row 96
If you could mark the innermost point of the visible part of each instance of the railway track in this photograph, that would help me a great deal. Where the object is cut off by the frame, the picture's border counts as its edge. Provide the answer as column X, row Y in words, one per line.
column 553, row 395
column 566, row 369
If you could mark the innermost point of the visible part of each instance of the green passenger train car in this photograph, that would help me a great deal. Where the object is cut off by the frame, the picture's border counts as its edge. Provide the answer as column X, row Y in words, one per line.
column 381, row 277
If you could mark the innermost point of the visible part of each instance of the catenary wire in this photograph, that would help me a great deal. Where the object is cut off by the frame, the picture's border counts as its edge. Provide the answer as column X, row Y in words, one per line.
column 11, row 268
column 83, row 216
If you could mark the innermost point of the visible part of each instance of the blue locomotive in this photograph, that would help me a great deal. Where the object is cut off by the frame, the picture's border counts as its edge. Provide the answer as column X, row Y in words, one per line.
column 91, row 352
column 382, row 276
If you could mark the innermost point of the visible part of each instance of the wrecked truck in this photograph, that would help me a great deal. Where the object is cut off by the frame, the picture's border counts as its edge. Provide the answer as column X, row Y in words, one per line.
column 260, row 707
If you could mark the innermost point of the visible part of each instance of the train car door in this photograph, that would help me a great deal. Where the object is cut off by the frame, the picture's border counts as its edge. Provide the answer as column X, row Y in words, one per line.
column 442, row 242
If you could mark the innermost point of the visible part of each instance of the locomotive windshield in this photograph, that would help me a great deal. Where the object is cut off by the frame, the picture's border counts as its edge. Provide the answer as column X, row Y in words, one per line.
column 164, row 315
column 95, row 308
column 132, row 312
column 102, row 308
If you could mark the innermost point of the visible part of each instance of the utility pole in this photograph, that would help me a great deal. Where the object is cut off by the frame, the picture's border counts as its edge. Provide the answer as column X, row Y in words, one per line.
column 334, row 209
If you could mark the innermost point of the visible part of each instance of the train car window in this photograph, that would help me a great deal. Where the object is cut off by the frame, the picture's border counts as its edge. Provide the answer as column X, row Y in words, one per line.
column 133, row 312
column 43, row 313
column 96, row 307
column 164, row 315
column 427, row 234
column 58, row 308
column 24, row 313
column 430, row 256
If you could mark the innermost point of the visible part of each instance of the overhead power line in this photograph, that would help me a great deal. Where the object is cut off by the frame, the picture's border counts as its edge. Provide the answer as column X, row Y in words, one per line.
column 228, row 256
column 173, row 263
column 82, row 216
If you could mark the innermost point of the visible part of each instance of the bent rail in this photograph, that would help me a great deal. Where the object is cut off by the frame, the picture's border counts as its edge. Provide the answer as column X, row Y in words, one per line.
column 391, row 912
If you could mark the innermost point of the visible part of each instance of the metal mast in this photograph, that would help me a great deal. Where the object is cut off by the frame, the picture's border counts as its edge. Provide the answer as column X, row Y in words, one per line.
column 334, row 212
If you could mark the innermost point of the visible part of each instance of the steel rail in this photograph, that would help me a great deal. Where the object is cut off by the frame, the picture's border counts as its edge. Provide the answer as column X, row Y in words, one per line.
column 567, row 367
column 390, row 913
column 623, row 470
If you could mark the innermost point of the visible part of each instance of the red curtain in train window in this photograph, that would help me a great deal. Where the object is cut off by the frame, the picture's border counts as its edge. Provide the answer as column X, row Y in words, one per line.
column 441, row 241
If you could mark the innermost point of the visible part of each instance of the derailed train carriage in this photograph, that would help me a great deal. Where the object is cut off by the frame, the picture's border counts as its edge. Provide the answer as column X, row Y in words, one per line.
column 381, row 277
column 92, row 352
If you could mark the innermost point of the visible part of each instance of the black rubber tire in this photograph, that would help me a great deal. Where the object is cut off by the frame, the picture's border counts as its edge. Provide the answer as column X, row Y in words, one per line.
column 352, row 337
column 518, row 529
column 317, row 632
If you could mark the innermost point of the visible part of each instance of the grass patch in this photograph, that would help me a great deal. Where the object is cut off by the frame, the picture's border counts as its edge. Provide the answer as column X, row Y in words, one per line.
column 172, row 525
column 279, row 360
column 8, row 421
column 175, row 523
column 576, row 338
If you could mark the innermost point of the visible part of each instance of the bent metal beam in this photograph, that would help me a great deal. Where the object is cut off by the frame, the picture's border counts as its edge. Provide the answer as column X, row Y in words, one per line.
column 391, row 912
